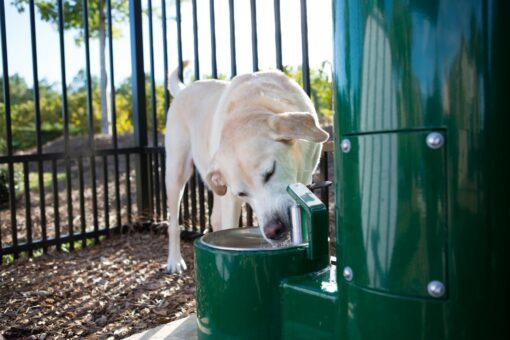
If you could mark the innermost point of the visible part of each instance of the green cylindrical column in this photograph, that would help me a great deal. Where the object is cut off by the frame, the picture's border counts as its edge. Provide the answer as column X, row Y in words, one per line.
column 421, row 133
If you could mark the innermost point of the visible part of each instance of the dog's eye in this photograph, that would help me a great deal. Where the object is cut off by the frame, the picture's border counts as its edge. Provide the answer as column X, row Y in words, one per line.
column 242, row 194
column 268, row 175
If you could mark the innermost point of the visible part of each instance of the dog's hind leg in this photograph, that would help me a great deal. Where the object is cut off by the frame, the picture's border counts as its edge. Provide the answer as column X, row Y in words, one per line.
column 179, row 167
column 216, row 213
column 226, row 212
column 230, row 210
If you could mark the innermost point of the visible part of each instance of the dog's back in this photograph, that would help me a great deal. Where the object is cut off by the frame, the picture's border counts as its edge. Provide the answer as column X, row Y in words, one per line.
column 269, row 90
column 190, row 116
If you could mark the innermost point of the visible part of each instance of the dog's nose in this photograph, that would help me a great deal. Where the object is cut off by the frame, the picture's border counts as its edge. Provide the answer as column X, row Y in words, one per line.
column 274, row 229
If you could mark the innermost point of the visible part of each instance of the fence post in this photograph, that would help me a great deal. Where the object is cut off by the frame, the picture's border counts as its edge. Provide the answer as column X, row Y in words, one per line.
column 143, row 185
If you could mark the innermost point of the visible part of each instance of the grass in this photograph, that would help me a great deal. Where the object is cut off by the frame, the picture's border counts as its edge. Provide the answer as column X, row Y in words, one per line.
column 89, row 242
column 33, row 180
column 8, row 259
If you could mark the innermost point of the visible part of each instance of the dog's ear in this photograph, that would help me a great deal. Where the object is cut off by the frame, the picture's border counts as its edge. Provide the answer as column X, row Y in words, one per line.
column 216, row 182
column 296, row 125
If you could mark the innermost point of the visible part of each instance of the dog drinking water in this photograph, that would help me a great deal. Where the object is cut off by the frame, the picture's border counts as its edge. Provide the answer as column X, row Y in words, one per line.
column 249, row 139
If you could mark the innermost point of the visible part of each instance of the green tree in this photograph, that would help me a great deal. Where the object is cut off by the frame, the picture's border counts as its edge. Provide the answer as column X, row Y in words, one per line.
column 77, row 103
column 73, row 19
column 123, row 106
column 22, row 113
column 321, row 89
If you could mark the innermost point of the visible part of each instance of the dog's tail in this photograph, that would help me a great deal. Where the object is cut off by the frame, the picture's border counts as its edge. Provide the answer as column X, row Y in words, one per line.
column 175, row 85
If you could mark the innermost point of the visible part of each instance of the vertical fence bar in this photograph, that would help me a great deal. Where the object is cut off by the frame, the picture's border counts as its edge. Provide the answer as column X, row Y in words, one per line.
column 83, row 220
column 114, row 117
column 166, row 106
column 249, row 215
column 8, row 132
column 254, row 40
column 37, row 109
column 193, row 192
column 157, row 181
column 106, row 204
column 201, row 203
column 185, row 206
column 214, row 74
column 278, row 35
column 150, row 162
column 128, row 188
column 65, row 120
column 143, row 188
column 210, row 205
column 180, row 71
column 196, row 59
column 154, row 164
column 157, row 191
column 241, row 220
column 152, row 78
column 325, row 176
column 28, row 212
column 152, row 179
column 304, row 48
column 233, row 63
column 165, row 60
column 163, row 184
column 90, row 115
column 194, row 177
column 179, row 36
column 214, row 66
column 181, row 210
column 56, row 203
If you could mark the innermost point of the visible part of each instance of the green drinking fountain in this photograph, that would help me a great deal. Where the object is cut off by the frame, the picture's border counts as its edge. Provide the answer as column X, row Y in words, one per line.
column 421, row 182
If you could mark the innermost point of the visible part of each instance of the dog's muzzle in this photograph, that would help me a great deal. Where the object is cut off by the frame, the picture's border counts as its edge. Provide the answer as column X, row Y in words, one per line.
column 276, row 230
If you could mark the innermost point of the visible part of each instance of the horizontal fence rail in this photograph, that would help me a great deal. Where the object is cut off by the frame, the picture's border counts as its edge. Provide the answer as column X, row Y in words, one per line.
column 76, row 196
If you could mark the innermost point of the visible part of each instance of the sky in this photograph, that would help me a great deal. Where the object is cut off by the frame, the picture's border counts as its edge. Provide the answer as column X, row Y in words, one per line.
column 319, row 39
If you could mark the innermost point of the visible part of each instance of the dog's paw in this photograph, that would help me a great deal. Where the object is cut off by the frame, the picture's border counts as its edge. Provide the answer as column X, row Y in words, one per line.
column 175, row 265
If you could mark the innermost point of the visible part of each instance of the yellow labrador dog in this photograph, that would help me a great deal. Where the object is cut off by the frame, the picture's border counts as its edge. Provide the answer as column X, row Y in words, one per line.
column 249, row 138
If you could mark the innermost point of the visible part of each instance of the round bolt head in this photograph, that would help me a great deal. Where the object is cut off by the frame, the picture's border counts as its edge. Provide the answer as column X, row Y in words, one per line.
column 436, row 289
column 347, row 273
column 346, row 145
column 435, row 140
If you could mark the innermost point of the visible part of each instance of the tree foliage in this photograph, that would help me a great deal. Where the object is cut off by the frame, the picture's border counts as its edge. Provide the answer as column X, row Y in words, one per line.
column 321, row 90
column 23, row 111
column 73, row 14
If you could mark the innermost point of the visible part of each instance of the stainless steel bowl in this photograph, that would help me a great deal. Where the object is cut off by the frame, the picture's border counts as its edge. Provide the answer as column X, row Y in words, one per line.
column 244, row 239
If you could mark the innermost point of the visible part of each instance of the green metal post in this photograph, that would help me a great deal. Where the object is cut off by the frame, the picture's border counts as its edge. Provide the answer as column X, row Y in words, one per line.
column 422, row 185
column 421, row 133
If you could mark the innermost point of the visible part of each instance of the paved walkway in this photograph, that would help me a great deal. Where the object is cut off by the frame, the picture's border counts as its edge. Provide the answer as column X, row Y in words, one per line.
column 182, row 329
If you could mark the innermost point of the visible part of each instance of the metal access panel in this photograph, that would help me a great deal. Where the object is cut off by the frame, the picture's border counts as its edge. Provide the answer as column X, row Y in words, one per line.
column 394, row 233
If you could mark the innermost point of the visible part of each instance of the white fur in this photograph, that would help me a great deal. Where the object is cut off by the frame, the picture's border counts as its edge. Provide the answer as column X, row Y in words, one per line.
column 234, row 130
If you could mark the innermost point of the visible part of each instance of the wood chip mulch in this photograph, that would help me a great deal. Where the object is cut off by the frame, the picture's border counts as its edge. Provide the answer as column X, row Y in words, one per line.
column 108, row 291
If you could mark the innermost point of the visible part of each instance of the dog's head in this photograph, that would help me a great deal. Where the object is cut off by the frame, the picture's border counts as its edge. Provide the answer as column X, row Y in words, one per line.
column 258, row 158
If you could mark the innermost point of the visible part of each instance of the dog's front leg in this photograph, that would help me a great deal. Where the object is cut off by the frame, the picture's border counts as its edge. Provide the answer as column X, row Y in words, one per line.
column 178, row 170
column 175, row 263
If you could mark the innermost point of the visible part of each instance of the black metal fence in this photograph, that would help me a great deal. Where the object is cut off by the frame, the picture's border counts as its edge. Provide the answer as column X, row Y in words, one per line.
column 71, row 198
